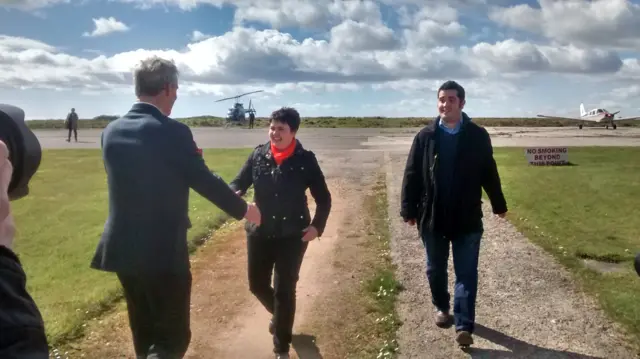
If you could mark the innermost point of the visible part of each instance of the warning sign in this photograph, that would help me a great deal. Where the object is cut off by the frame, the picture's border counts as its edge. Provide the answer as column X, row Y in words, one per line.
column 547, row 156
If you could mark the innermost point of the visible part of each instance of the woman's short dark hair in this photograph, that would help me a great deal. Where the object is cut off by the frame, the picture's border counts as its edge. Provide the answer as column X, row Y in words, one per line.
column 288, row 115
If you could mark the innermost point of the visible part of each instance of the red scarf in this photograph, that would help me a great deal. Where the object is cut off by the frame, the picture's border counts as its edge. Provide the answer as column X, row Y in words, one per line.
column 281, row 155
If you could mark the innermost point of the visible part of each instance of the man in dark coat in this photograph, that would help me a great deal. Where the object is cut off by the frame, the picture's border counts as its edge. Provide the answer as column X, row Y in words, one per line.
column 449, row 164
column 72, row 124
column 252, row 119
column 151, row 162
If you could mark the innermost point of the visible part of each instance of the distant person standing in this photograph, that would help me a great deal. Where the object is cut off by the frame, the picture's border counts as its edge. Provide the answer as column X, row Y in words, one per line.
column 449, row 164
column 152, row 162
column 252, row 118
column 71, row 123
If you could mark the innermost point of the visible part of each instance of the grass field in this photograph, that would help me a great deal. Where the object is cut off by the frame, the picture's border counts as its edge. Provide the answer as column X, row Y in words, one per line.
column 59, row 225
column 345, row 122
column 585, row 211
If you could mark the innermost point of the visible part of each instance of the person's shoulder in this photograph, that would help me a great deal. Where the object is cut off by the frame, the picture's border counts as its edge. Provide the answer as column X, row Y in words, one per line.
column 306, row 153
column 427, row 131
column 472, row 126
column 262, row 147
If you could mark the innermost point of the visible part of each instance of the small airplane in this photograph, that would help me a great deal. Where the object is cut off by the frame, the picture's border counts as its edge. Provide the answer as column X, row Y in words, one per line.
column 596, row 115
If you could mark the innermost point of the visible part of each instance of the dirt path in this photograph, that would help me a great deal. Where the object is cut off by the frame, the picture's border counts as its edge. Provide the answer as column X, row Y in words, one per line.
column 226, row 320
column 247, row 333
column 528, row 306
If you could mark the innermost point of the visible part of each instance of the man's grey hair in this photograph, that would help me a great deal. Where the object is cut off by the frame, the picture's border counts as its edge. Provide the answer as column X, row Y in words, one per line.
column 153, row 74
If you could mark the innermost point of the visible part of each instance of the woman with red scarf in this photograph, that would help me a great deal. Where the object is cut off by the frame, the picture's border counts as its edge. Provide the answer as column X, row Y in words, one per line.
column 281, row 171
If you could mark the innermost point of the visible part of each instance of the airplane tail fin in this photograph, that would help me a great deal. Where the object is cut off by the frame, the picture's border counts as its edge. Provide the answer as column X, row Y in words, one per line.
column 582, row 111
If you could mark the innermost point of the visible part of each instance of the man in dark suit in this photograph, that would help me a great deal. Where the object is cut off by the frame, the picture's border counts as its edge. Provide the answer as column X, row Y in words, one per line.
column 71, row 124
column 151, row 162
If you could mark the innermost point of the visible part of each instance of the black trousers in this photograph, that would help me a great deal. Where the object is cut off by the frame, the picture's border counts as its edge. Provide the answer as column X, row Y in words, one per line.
column 284, row 257
column 158, row 307
column 75, row 134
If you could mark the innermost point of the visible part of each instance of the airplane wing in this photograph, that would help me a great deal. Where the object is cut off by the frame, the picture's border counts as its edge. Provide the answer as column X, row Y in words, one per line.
column 559, row 117
column 626, row 118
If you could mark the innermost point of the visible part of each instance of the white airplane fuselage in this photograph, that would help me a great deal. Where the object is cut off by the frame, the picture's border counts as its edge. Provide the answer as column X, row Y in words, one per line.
column 597, row 115
column 596, row 118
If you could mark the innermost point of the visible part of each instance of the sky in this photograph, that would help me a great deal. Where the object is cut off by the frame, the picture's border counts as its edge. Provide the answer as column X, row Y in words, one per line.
column 324, row 57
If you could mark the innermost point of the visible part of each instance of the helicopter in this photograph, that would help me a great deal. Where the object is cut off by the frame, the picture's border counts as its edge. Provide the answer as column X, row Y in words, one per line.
column 236, row 114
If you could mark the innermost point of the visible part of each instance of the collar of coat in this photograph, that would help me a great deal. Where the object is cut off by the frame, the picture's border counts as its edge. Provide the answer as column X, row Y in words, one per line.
column 465, row 120
column 264, row 150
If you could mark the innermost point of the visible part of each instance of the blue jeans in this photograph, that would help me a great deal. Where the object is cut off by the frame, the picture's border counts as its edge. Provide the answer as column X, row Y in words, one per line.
column 466, row 249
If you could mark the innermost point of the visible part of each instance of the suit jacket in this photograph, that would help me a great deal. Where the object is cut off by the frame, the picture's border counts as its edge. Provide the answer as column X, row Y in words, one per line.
column 71, row 122
column 151, row 162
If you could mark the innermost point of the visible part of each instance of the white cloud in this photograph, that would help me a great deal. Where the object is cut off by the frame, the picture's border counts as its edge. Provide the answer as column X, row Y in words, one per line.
column 352, row 48
column 283, row 13
column 105, row 26
column 199, row 36
column 431, row 25
column 30, row 5
column 625, row 93
column 514, row 56
column 273, row 57
column 358, row 36
column 599, row 23
column 630, row 69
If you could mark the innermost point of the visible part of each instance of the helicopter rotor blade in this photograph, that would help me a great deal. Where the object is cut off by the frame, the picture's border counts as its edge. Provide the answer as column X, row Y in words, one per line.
column 237, row 96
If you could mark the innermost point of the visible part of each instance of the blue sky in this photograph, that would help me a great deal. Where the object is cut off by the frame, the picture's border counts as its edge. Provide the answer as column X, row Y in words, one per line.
column 325, row 57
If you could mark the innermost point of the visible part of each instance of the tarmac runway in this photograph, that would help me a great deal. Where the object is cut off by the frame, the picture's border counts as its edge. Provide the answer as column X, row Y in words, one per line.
column 388, row 139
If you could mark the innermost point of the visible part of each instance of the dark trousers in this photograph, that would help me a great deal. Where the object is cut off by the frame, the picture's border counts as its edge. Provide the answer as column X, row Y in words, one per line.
column 466, row 249
column 75, row 134
column 158, row 307
column 284, row 257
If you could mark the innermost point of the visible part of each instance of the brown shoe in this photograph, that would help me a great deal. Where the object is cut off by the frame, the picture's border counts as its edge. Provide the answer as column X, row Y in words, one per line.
column 464, row 338
column 443, row 319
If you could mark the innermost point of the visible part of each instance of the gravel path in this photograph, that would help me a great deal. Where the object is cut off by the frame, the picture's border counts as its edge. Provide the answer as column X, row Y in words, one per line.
column 528, row 306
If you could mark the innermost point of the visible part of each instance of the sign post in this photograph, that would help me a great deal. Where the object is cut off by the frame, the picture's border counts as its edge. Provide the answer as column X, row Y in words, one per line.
column 547, row 156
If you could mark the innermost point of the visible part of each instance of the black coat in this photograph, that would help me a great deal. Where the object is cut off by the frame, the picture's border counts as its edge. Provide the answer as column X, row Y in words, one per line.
column 280, row 191
column 22, row 333
column 474, row 169
column 151, row 162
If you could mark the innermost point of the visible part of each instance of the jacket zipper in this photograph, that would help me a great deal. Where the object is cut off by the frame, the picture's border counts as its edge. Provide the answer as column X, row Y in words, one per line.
column 435, row 191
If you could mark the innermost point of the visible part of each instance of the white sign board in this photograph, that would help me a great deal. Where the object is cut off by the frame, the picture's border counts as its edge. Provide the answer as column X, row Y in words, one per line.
column 547, row 156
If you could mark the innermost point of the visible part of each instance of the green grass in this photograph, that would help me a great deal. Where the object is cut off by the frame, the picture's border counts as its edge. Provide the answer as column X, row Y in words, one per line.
column 345, row 122
column 59, row 225
column 383, row 288
column 589, row 210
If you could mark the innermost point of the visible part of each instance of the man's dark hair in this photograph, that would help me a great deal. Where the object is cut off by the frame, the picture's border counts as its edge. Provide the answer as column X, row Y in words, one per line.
column 452, row 85
column 288, row 115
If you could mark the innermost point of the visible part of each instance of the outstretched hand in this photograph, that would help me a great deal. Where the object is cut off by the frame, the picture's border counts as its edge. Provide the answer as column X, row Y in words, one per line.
column 253, row 214
column 310, row 233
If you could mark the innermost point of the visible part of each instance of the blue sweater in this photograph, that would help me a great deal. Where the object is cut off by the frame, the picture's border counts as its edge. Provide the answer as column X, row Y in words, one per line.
column 447, row 143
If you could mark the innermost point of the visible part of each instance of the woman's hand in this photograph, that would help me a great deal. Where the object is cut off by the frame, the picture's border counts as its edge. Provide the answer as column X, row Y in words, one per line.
column 310, row 233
